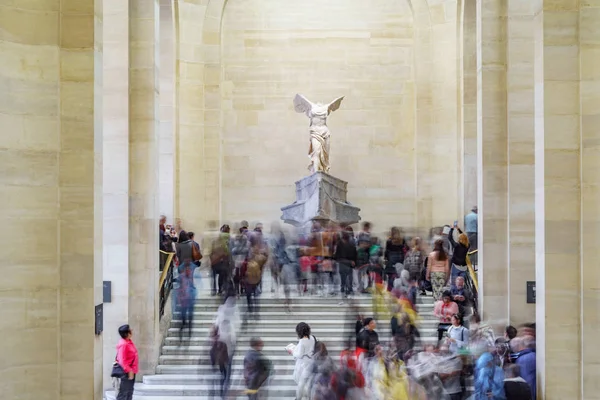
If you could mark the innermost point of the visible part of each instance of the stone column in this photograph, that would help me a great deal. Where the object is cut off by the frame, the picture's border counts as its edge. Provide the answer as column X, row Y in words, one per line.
column 558, row 202
column 469, row 106
column 166, row 165
column 589, row 39
column 143, row 179
column 521, row 162
column 80, row 287
column 29, row 182
column 492, row 159
column 115, row 172
column 444, row 137
column 189, row 118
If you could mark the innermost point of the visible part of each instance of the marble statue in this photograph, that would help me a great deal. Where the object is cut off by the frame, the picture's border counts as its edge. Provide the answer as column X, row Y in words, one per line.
column 318, row 152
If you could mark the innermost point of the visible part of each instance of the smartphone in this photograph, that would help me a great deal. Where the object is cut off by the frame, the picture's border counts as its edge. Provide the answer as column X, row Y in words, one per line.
column 456, row 222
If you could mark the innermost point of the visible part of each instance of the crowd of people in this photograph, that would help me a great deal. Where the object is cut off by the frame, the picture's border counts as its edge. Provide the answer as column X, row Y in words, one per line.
column 331, row 260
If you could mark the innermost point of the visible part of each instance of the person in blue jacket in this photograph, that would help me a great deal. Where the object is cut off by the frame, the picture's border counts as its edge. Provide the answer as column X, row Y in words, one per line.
column 489, row 379
column 524, row 356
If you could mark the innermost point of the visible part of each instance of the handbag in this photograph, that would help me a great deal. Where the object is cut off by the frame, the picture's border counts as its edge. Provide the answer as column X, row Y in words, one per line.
column 117, row 370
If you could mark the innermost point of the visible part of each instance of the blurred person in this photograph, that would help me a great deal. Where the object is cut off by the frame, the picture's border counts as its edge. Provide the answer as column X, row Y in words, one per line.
column 184, row 248
column 196, row 251
column 444, row 309
column 414, row 259
column 219, row 358
column 319, row 374
column 302, row 353
column 378, row 379
column 395, row 250
column 404, row 333
column 515, row 387
column 186, row 287
column 252, row 273
column 489, row 379
column 450, row 371
column 322, row 244
column 348, row 382
column 461, row 294
column 376, row 261
column 346, row 257
column 438, row 269
column 527, row 330
column 219, row 260
column 289, row 273
column 127, row 357
column 471, row 228
column 239, row 247
column 458, row 335
column 459, row 254
column 502, row 352
column 523, row 349
column 278, row 256
column 363, row 262
column 445, row 237
column 482, row 336
column 257, row 369
column 510, row 332
column 306, row 263
column 365, row 234
column 368, row 338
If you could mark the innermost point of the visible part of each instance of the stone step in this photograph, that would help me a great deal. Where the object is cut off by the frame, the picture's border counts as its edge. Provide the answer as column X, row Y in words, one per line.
column 292, row 319
column 207, row 369
column 280, row 358
column 280, row 377
column 209, row 388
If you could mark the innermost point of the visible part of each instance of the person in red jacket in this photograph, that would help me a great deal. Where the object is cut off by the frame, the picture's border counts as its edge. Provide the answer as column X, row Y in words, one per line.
column 127, row 357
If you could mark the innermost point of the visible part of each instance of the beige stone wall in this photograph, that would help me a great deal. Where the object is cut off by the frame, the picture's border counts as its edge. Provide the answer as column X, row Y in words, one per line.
column 492, row 158
column 589, row 62
column 271, row 51
column 520, row 83
column 143, row 179
column 46, row 112
column 166, row 146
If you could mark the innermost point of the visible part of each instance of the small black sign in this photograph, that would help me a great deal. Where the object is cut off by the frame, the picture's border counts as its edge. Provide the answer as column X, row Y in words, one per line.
column 530, row 292
column 107, row 292
column 99, row 323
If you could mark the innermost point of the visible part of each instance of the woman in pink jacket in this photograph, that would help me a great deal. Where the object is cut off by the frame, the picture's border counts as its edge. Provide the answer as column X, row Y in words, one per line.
column 127, row 357
column 444, row 309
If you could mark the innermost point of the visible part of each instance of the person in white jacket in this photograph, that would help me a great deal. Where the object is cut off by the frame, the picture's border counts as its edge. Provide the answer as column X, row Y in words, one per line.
column 302, row 353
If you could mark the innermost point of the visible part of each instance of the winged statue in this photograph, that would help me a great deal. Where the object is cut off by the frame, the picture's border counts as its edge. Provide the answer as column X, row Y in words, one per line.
column 317, row 113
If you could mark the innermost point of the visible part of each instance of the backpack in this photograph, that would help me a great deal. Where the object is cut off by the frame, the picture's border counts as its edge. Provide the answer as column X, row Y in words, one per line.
column 196, row 254
column 413, row 261
column 253, row 273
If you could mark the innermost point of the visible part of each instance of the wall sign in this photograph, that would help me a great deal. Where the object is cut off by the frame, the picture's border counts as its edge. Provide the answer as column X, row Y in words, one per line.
column 530, row 292
column 99, row 319
column 107, row 291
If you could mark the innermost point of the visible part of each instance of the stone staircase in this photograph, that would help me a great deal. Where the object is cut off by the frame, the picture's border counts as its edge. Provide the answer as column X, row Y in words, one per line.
column 184, row 368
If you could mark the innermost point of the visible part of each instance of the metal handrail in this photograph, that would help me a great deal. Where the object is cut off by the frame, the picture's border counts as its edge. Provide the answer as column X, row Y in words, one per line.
column 165, row 283
column 166, row 267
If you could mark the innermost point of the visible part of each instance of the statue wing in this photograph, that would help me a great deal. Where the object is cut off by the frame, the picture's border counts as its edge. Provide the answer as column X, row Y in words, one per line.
column 334, row 105
column 301, row 104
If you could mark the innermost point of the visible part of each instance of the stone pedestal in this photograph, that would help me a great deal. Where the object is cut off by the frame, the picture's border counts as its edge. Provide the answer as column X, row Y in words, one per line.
column 320, row 197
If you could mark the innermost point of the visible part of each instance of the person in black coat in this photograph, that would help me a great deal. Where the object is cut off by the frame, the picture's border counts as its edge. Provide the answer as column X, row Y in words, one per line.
column 346, row 257
column 515, row 387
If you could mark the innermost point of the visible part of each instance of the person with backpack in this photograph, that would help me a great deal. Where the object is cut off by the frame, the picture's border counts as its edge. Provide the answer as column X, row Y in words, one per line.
column 257, row 369
column 252, row 272
column 302, row 353
column 395, row 250
column 414, row 260
column 219, row 358
column 319, row 374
